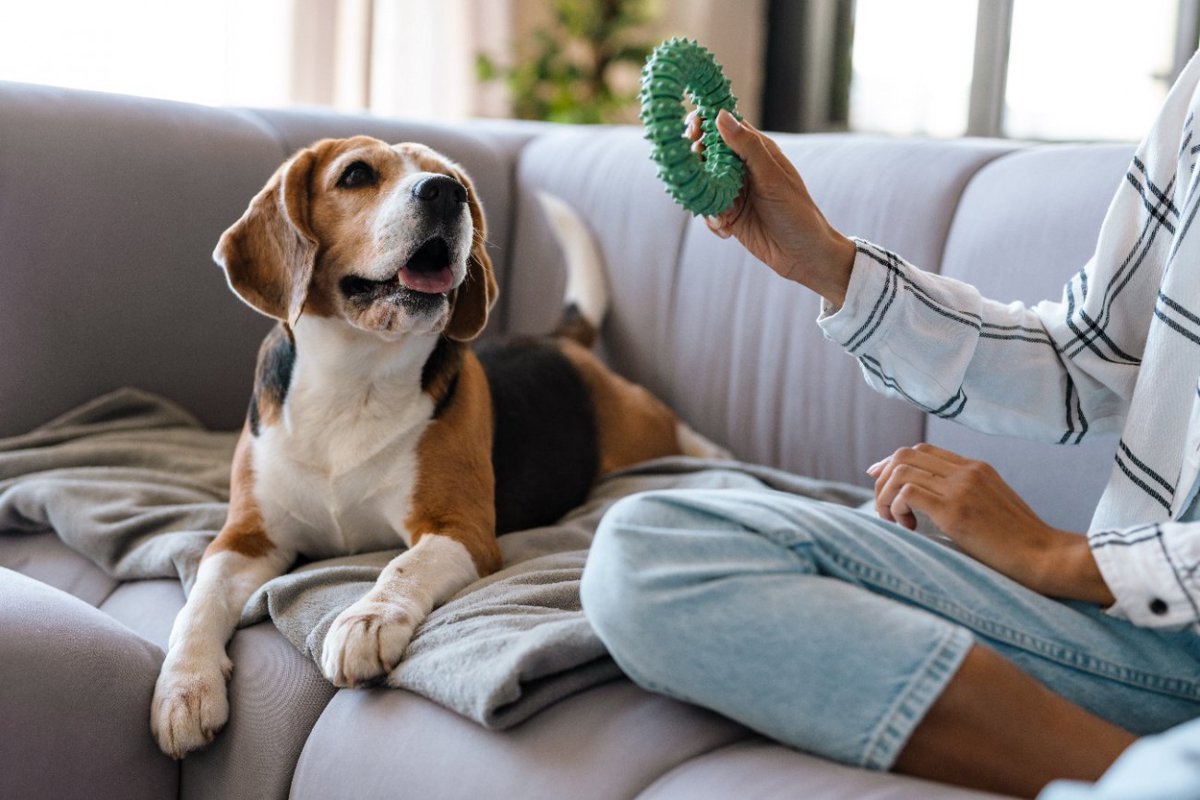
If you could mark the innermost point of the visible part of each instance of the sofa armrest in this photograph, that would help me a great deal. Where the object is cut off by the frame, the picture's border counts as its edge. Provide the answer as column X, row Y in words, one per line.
column 75, row 703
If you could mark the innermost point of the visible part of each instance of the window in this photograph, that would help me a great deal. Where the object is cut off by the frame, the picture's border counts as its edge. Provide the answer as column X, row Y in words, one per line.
column 252, row 52
column 216, row 51
column 1037, row 69
column 1081, row 69
column 912, row 66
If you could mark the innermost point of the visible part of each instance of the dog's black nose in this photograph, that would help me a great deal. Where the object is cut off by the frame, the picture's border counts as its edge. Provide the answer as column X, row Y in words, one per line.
column 442, row 194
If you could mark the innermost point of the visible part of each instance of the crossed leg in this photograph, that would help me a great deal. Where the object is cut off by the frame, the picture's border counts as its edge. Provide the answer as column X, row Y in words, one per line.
column 843, row 635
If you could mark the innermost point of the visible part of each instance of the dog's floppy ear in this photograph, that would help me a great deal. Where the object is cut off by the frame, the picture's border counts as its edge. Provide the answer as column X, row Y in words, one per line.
column 268, row 255
column 472, row 301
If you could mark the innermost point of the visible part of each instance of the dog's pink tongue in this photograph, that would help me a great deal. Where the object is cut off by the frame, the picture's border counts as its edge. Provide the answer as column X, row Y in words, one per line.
column 428, row 281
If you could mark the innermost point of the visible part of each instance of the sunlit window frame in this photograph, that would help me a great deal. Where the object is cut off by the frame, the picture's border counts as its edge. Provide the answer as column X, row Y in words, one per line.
column 993, row 38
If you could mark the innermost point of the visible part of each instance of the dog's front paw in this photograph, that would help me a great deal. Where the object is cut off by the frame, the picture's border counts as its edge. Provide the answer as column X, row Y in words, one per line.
column 367, row 640
column 190, row 703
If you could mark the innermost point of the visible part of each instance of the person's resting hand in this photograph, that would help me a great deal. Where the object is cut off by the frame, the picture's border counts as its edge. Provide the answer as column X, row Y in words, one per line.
column 774, row 217
column 972, row 505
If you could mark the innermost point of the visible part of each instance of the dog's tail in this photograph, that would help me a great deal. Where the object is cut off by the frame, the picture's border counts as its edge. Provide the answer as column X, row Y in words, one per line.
column 585, row 301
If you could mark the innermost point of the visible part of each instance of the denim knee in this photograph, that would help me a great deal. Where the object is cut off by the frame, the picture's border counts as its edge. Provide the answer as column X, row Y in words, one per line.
column 650, row 554
column 614, row 593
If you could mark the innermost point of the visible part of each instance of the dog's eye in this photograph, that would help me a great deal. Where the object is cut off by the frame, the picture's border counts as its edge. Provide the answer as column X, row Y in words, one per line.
column 358, row 174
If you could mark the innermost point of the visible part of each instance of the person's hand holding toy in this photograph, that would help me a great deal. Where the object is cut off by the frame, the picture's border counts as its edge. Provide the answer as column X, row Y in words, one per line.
column 772, row 215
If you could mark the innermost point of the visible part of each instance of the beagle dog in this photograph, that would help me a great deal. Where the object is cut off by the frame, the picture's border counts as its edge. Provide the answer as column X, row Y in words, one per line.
column 373, row 423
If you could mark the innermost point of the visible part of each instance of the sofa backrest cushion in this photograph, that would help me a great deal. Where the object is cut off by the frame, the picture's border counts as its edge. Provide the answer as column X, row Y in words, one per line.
column 109, row 211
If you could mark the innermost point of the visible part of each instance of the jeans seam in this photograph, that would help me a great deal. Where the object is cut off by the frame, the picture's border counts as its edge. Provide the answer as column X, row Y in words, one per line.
column 1176, row 687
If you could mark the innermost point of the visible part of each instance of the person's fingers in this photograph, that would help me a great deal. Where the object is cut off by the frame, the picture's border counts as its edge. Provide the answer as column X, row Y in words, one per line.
column 714, row 225
column 730, row 216
column 735, row 133
column 692, row 126
column 940, row 452
column 913, row 498
column 928, row 457
column 894, row 479
column 747, row 144
column 770, row 176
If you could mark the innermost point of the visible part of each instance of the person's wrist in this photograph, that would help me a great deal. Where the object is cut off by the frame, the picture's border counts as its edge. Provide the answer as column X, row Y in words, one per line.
column 829, row 274
column 1065, row 568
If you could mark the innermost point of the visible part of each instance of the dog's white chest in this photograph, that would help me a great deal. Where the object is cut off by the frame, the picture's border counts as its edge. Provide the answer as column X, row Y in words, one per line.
column 336, row 475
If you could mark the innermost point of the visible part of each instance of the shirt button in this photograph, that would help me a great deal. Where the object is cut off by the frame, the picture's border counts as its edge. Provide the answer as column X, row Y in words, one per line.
column 1158, row 607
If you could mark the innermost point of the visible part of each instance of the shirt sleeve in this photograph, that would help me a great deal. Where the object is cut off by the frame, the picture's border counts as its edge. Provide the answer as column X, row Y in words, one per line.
column 999, row 368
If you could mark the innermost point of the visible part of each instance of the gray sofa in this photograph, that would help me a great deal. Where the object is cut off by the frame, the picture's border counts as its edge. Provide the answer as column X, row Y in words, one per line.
column 109, row 209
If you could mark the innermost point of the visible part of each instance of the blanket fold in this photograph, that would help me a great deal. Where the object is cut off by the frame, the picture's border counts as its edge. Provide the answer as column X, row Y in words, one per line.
column 135, row 484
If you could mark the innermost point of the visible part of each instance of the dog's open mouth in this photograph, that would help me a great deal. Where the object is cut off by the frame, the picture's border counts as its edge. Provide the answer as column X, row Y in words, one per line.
column 427, row 272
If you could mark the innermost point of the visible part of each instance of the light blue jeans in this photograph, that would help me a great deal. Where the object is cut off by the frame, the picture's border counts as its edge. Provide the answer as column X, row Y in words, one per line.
column 833, row 631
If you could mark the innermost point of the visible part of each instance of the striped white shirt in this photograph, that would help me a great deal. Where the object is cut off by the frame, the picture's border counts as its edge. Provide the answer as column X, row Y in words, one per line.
column 1120, row 352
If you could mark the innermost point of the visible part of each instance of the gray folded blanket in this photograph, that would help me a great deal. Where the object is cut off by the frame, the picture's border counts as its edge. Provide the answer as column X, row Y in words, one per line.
column 134, row 483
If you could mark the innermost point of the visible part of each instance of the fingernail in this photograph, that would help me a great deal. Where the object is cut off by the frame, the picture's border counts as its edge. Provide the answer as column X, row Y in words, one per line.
column 874, row 469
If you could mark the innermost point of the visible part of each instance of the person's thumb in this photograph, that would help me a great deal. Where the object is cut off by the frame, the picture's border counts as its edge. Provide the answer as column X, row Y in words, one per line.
column 743, row 141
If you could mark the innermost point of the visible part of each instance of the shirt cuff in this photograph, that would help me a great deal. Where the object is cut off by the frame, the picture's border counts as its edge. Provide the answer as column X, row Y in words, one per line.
column 1137, row 567
column 863, row 315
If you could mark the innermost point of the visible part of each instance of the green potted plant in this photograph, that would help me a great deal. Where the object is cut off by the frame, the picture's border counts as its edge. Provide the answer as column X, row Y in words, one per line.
column 576, row 65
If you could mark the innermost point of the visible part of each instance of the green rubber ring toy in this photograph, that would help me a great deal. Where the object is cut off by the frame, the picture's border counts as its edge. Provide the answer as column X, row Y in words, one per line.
column 704, row 185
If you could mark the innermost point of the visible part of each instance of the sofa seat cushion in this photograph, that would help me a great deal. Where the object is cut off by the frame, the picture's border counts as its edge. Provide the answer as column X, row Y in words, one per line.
column 43, row 557
column 612, row 741
column 276, row 695
column 757, row 769
column 607, row 742
column 148, row 608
